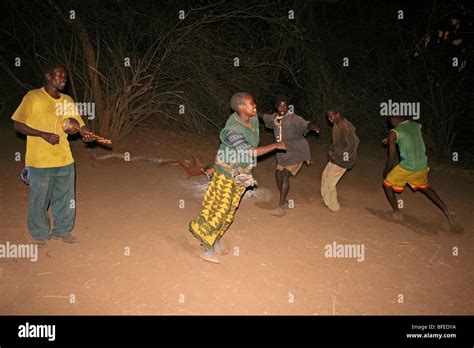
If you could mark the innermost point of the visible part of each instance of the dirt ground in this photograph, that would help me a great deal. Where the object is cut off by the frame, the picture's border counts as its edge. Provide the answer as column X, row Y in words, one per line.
column 277, row 265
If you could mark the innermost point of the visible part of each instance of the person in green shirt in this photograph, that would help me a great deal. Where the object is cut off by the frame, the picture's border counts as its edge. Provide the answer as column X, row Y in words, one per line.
column 408, row 165
column 233, row 174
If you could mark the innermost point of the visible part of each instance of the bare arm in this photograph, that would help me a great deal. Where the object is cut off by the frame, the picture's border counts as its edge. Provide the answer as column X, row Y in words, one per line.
column 262, row 150
column 22, row 128
column 310, row 127
column 239, row 143
column 267, row 120
column 392, row 159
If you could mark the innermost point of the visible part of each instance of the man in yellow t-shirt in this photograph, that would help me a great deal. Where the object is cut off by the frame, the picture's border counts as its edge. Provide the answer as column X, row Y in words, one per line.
column 48, row 156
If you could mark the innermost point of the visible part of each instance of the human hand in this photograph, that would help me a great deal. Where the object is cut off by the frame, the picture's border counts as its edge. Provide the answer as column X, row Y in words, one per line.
column 51, row 138
column 316, row 129
column 208, row 170
column 89, row 139
column 86, row 135
column 280, row 146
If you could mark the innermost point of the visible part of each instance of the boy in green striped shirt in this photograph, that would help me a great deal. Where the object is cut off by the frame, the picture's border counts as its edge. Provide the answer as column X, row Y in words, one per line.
column 408, row 165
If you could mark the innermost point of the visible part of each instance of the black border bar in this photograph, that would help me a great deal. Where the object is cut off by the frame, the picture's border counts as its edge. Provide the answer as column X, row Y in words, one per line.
column 262, row 330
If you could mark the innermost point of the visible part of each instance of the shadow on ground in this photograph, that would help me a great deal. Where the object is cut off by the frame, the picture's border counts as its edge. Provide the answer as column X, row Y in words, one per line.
column 415, row 224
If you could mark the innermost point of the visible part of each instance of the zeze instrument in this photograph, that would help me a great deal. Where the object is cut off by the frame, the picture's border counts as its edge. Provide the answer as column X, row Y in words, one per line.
column 71, row 126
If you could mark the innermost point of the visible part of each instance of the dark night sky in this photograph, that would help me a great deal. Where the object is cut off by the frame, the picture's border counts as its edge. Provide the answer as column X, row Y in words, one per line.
column 300, row 56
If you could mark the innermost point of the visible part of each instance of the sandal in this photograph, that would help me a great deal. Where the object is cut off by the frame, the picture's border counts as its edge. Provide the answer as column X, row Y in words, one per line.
column 68, row 238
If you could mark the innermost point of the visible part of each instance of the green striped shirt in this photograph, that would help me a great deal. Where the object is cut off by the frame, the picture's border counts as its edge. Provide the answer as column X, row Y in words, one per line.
column 411, row 146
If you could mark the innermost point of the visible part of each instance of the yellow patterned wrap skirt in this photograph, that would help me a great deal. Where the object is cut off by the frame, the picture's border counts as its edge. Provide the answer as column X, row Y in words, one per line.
column 220, row 202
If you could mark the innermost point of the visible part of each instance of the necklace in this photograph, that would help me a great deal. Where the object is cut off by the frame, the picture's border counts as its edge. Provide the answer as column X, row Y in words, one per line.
column 278, row 120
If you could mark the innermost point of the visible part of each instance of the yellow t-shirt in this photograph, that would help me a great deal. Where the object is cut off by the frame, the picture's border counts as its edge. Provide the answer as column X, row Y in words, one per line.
column 40, row 111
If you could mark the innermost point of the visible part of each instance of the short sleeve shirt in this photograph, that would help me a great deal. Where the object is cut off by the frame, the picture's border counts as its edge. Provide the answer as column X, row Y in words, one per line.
column 42, row 112
column 291, row 131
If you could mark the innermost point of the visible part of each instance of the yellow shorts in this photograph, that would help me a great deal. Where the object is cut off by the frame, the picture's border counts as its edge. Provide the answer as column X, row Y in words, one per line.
column 293, row 169
column 399, row 177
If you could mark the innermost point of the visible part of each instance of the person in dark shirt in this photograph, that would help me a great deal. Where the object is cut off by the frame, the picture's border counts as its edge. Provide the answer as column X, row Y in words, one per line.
column 291, row 129
column 342, row 155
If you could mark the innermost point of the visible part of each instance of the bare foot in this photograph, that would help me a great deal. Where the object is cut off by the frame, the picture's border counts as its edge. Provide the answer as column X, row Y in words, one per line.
column 209, row 257
column 277, row 212
column 452, row 218
column 220, row 248
column 397, row 216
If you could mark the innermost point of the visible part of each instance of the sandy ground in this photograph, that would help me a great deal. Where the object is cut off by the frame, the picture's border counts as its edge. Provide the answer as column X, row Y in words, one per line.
column 277, row 265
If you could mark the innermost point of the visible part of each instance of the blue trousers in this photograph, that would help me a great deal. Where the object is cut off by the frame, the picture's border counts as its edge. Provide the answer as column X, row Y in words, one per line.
column 51, row 187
